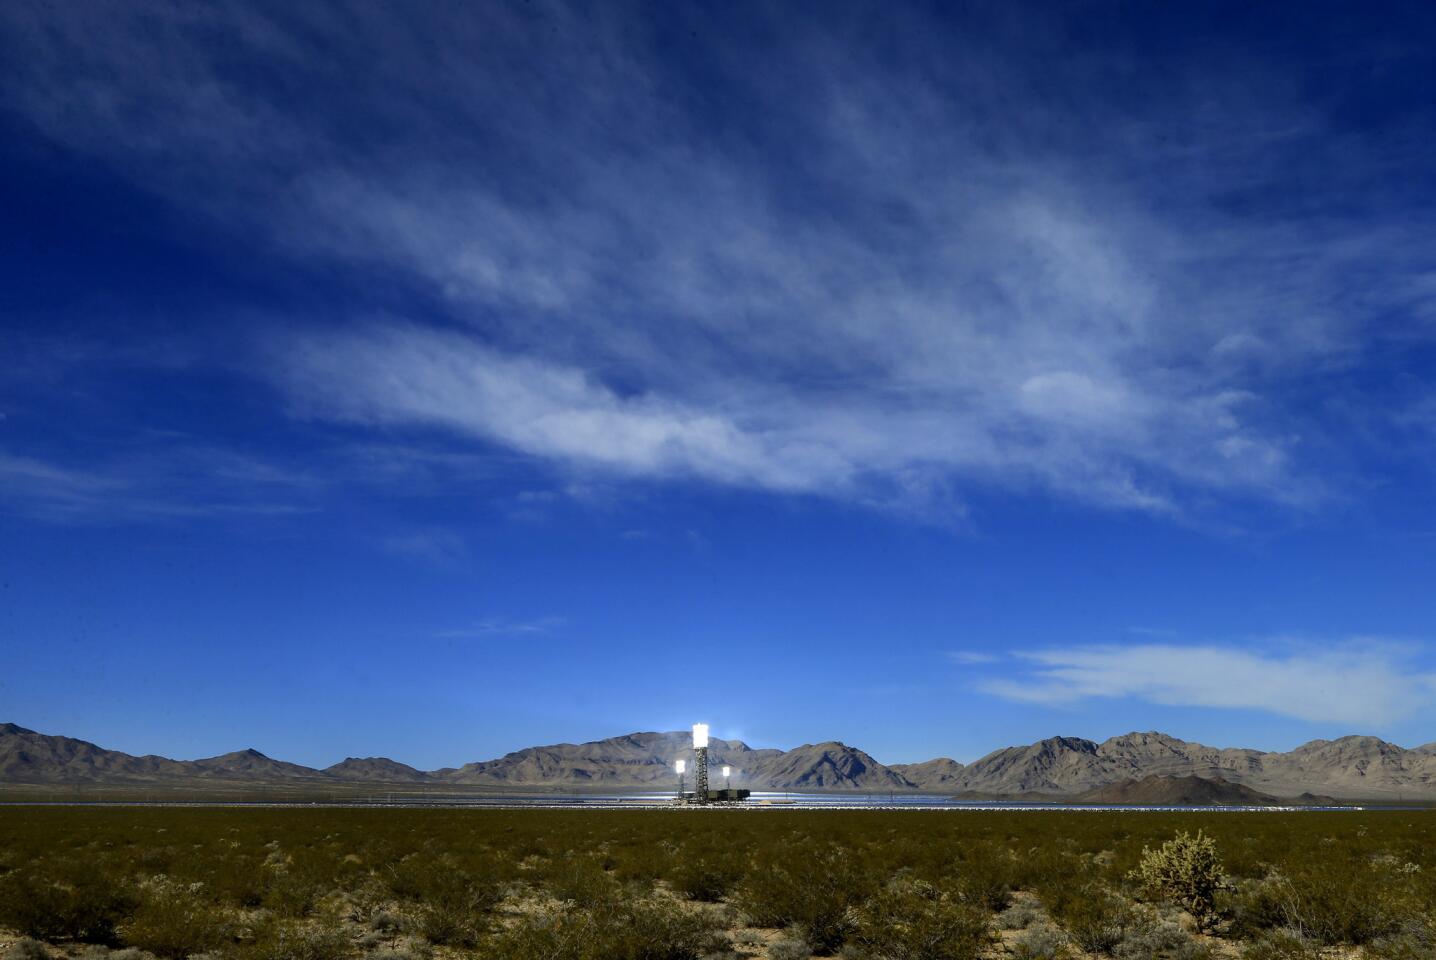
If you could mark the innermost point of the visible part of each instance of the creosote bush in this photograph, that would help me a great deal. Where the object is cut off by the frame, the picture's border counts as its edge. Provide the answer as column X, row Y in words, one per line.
column 986, row 877
column 636, row 930
column 27, row 950
column 1347, row 901
column 59, row 899
column 789, row 950
column 1408, row 945
column 283, row 938
column 1096, row 918
column 582, row 881
column 1042, row 942
column 811, row 887
column 1019, row 916
column 915, row 920
column 1281, row 945
column 707, row 877
column 345, row 884
column 173, row 920
column 1159, row 941
column 1187, row 871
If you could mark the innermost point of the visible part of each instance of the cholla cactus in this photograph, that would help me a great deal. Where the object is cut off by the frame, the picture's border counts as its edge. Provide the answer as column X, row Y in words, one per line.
column 1187, row 871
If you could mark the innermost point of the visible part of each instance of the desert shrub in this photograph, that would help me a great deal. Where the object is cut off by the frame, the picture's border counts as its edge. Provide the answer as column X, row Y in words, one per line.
column 810, row 889
column 239, row 879
column 451, row 902
column 368, row 900
column 1185, row 870
column 914, row 920
column 1332, row 903
column 97, row 951
column 63, row 902
column 1041, row 942
column 1344, row 903
column 1345, row 878
column 1159, row 941
column 626, row 930
column 291, row 894
column 1281, row 945
column 409, row 951
column 27, row 949
column 1416, row 942
column 581, row 881
column 789, row 950
column 455, row 908
column 1258, row 905
column 1095, row 918
column 986, row 878
column 284, row 938
column 1019, row 916
column 173, row 920
column 705, row 877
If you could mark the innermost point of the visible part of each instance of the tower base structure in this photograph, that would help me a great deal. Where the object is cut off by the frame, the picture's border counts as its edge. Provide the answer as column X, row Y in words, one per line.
column 715, row 796
column 700, row 773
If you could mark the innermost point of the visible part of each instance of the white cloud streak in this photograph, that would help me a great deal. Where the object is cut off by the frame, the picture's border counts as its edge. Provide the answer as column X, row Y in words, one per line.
column 971, row 657
column 947, row 280
column 1361, row 682
column 171, row 480
column 493, row 627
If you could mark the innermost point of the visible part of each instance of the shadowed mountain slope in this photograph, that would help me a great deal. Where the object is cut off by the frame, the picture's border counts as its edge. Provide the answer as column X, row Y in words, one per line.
column 376, row 770
column 828, row 765
column 30, row 757
column 939, row 774
column 1181, row 791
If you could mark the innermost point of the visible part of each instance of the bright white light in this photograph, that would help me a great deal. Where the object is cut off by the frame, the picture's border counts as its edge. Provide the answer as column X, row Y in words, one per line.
column 680, row 766
column 700, row 736
column 727, row 770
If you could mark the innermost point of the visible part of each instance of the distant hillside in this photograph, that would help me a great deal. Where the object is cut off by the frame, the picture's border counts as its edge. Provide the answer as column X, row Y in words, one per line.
column 1136, row 765
column 30, row 757
column 646, row 760
column 931, row 775
column 1352, row 767
column 636, row 759
column 632, row 761
column 376, row 770
column 1179, row 791
column 826, row 766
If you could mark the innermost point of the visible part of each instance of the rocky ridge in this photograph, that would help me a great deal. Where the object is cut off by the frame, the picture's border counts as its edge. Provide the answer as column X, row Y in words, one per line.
column 1356, row 767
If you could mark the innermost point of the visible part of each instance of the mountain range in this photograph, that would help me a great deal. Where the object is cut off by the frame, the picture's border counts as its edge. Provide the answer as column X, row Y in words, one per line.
column 1072, row 768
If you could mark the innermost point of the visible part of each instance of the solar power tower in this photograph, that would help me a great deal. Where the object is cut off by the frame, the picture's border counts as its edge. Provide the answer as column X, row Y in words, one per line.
column 700, row 762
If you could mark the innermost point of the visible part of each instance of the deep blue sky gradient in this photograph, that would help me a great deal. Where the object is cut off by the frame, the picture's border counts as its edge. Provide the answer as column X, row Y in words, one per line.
column 930, row 379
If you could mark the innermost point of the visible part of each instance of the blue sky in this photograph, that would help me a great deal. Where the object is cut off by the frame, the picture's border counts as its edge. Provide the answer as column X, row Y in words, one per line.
column 436, row 382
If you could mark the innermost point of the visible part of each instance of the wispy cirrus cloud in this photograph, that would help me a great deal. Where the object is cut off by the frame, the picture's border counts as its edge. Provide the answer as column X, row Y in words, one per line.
column 499, row 627
column 434, row 545
column 915, row 294
column 184, row 480
column 971, row 657
column 1356, row 682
